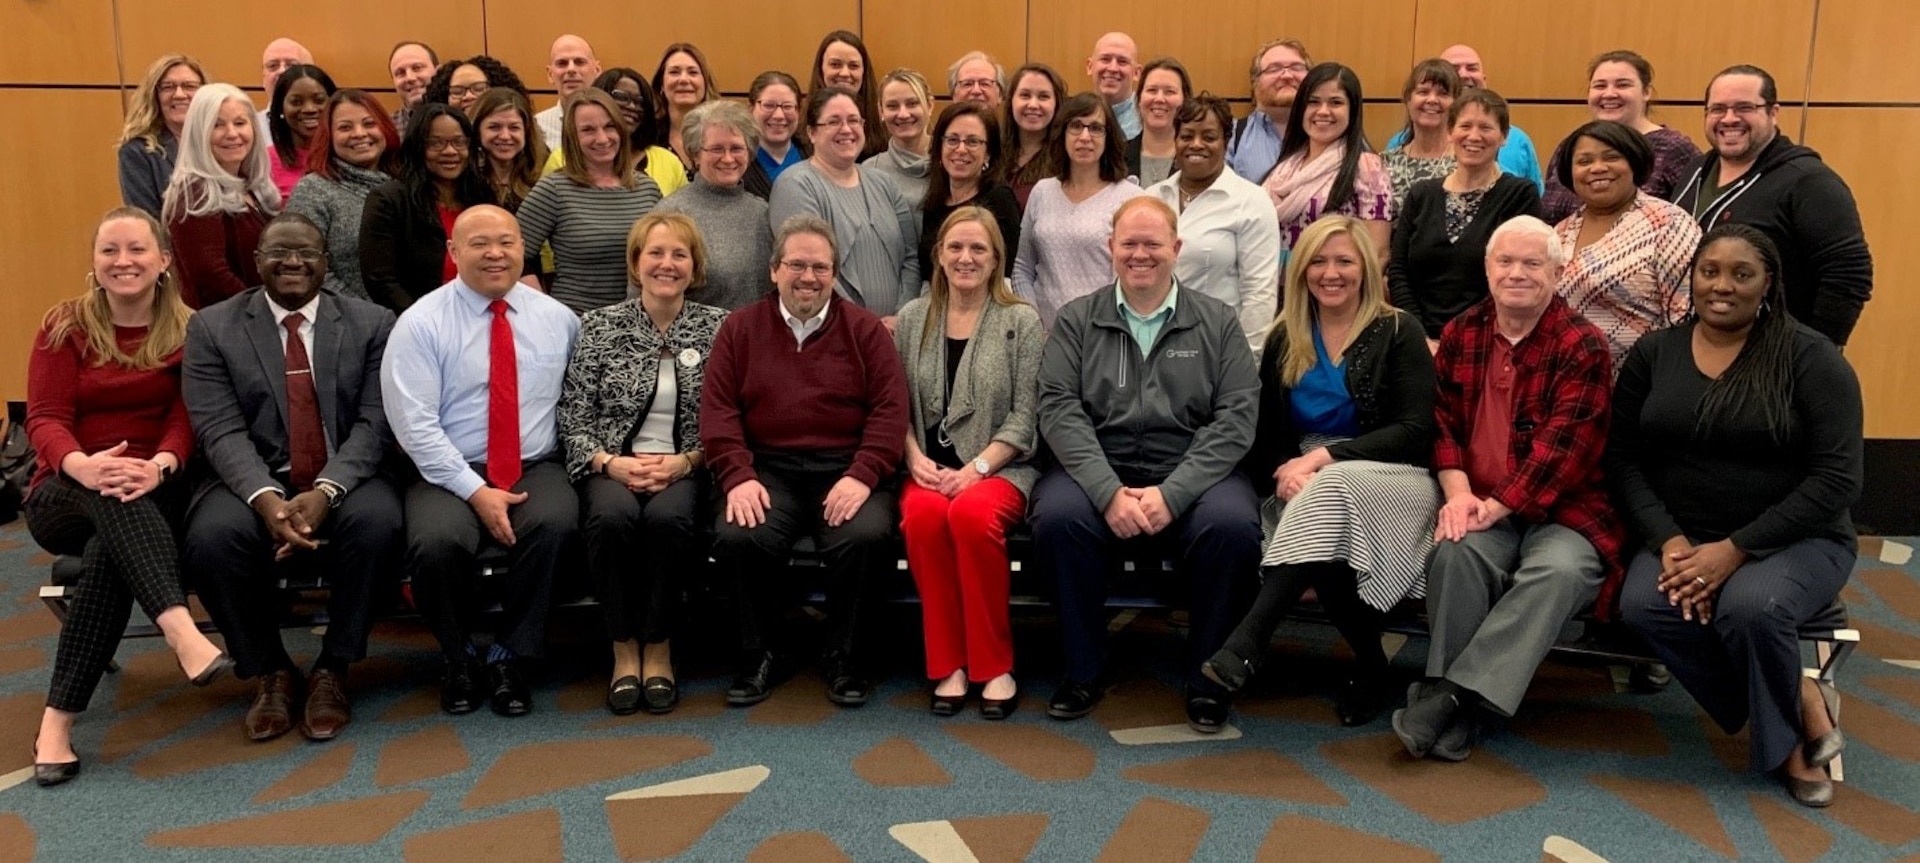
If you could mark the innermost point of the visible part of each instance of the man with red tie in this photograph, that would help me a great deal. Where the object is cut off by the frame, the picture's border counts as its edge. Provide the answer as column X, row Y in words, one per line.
column 472, row 387
column 282, row 384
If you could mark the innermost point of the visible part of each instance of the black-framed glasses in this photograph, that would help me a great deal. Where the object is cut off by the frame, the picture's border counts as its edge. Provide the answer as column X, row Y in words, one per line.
column 281, row 255
column 436, row 144
column 970, row 142
column 461, row 91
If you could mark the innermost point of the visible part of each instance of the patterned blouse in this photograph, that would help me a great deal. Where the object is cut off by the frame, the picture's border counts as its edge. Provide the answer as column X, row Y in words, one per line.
column 1672, row 153
column 611, row 377
column 1633, row 280
column 1405, row 169
column 1372, row 201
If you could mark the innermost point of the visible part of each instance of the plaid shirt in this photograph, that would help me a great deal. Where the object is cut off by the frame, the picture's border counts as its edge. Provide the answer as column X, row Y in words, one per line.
column 1562, row 398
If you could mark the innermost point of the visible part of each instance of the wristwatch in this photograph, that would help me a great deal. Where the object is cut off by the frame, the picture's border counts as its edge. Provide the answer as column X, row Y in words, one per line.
column 980, row 465
column 335, row 494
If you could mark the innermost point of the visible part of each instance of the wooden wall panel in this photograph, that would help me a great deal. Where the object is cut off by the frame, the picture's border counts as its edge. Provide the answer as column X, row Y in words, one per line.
column 902, row 33
column 1530, row 54
column 57, row 42
column 1883, row 350
column 1374, row 37
column 1214, row 46
column 1846, row 66
column 741, row 39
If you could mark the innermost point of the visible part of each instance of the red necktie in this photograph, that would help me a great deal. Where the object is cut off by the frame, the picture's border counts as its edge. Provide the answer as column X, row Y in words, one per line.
column 503, row 403
column 306, row 442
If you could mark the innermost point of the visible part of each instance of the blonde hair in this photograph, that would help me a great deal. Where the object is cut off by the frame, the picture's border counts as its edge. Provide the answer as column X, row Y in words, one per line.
column 1298, row 311
column 998, row 290
column 145, row 119
column 575, row 166
column 682, row 228
column 90, row 316
column 915, row 82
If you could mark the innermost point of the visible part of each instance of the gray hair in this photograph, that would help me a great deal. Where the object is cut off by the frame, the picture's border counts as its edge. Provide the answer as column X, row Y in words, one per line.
column 199, row 185
column 803, row 224
column 999, row 72
column 1530, row 226
column 724, row 113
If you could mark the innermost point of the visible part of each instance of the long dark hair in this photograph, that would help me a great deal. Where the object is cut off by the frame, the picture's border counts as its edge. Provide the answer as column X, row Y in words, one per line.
column 1296, row 141
column 1113, row 154
column 653, row 109
column 277, row 126
column 470, row 188
column 1040, row 166
column 1761, row 376
column 321, row 157
column 533, row 150
column 939, row 185
column 867, row 97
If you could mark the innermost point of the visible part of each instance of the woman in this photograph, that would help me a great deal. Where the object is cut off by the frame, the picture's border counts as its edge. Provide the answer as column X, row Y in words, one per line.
column 293, row 121
column 873, row 223
column 461, row 83
column 639, row 110
column 1735, row 451
column 1163, row 88
column 1063, row 249
column 1425, row 148
column 1628, row 269
column 630, row 417
column 586, row 209
column 1030, row 112
column 1325, row 165
column 150, row 140
column 407, row 220
column 972, row 409
column 110, row 436
column 1438, row 267
column 965, row 169
column 1229, row 242
column 219, row 198
column 1620, row 88
column 683, row 82
column 1345, row 433
column 358, row 152
column 842, row 61
column 906, row 108
column 514, row 151
column 723, row 139
column 775, row 99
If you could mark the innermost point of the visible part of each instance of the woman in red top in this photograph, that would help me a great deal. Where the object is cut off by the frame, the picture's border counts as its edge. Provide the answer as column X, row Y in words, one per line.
column 220, row 197
column 105, row 417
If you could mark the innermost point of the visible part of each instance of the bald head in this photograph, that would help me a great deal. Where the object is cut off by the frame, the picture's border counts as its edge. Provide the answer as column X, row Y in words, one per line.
column 1466, row 62
column 571, row 64
column 1113, row 66
column 280, row 54
column 486, row 249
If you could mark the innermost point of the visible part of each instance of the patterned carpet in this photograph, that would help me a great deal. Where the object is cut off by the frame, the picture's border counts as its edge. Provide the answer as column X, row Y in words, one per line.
column 1587, row 772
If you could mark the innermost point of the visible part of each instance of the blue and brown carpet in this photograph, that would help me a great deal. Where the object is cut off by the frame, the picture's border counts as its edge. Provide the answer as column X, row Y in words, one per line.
column 1587, row 772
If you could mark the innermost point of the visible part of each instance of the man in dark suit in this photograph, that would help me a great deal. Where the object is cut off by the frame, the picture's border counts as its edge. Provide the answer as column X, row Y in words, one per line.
column 283, row 386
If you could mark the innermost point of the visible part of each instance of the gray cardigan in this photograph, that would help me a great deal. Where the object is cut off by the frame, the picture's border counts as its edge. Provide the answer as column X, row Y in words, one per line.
column 336, row 205
column 995, row 392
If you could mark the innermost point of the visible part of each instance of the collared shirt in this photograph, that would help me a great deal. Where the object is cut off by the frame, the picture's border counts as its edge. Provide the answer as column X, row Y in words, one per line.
column 1128, row 113
column 308, row 312
column 1256, row 149
column 1146, row 328
column 802, row 329
column 1229, row 248
column 435, row 378
column 549, row 123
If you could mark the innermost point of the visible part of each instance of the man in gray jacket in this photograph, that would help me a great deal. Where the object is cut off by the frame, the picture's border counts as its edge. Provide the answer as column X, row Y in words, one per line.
column 1148, row 398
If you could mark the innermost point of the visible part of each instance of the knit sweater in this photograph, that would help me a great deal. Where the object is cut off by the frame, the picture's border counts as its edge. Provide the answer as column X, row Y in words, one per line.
column 1433, row 278
column 1063, row 245
column 739, row 241
column 335, row 205
column 908, row 171
column 74, row 405
column 588, row 229
column 877, row 230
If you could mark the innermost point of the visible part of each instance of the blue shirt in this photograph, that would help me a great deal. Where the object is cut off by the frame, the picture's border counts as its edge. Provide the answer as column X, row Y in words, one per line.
column 1253, row 153
column 1516, row 157
column 773, row 168
column 434, row 378
column 1145, row 328
column 1128, row 113
column 1320, row 401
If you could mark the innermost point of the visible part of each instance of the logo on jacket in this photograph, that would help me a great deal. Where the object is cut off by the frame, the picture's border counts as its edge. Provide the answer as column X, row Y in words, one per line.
column 1182, row 353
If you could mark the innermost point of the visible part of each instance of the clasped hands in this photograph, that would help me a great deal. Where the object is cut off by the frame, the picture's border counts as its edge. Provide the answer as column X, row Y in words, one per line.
column 933, row 476
column 292, row 522
column 648, row 472
column 1691, row 575
column 1135, row 512
column 1465, row 513
column 115, row 475
column 747, row 502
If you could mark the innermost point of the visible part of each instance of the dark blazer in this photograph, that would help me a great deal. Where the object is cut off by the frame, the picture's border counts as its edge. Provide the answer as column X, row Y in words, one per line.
column 403, row 250
column 234, row 381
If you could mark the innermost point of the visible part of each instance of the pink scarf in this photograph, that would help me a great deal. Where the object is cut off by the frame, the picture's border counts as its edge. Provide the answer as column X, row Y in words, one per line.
column 1294, row 184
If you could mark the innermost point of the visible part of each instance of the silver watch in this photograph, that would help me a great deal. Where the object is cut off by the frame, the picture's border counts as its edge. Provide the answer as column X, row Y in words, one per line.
column 984, row 469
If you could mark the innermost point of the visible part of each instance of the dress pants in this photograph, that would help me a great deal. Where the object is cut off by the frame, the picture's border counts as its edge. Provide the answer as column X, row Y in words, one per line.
column 641, row 548
column 957, row 550
column 230, row 555
column 1216, row 544
column 754, row 560
column 1497, row 599
column 131, row 551
column 444, row 539
column 1745, row 662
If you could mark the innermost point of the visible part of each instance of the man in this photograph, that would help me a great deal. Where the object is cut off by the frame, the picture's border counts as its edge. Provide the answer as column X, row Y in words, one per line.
column 1526, row 534
column 571, row 66
column 804, row 421
column 1517, row 156
column 1754, row 175
column 412, row 65
column 1148, row 398
column 472, row 385
column 1277, row 69
column 280, row 54
column 283, row 386
column 1114, row 67
column 977, row 78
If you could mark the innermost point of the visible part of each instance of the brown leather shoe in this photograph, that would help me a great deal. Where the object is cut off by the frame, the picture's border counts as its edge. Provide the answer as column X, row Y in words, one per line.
column 327, row 708
column 271, row 713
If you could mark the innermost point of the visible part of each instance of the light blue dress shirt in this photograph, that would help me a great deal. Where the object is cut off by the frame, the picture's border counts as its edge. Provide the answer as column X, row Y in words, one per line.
column 1145, row 329
column 1128, row 113
column 434, row 378
column 1256, row 149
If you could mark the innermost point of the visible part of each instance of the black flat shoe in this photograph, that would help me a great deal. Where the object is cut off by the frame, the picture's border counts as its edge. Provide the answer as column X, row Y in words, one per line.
column 1206, row 714
column 220, row 664
column 846, row 686
column 49, row 773
column 662, row 695
column 999, row 708
column 623, row 697
column 1227, row 670
column 461, row 693
column 754, row 682
column 1074, row 700
column 1360, row 701
column 510, row 694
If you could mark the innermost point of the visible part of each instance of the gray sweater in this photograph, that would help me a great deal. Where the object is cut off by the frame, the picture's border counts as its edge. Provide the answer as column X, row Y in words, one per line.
column 144, row 173
column 878, row 232
column 335, row 206
column 739, row 241
column 587, row 227
column 907, row 169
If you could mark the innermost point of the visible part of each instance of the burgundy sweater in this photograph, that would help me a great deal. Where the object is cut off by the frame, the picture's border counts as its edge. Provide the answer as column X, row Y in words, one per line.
column 843, row 391
column 76, row 406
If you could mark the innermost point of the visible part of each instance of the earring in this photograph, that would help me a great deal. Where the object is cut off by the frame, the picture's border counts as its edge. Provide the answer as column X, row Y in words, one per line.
column 93, row 284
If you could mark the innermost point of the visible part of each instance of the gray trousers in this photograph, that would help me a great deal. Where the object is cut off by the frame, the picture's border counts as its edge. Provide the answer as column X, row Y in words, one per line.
column 1496, row 601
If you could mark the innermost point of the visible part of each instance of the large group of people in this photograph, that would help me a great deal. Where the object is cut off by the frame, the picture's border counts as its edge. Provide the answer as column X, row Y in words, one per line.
column 661, row 326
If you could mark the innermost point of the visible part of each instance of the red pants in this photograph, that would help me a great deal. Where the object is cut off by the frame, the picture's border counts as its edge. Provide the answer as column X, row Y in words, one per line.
column 957, row 550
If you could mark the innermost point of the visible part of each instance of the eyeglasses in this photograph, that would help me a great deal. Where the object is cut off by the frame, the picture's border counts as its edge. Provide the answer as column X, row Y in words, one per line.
column 624, row 98
column 718, row 151
column 437, row 144
column 278, row 255
column 969, row 142
column 841, row 123
column 1744, row 109
column 1275, row 69
column 1077, row 128
column 462, row 91
column 775, row 106
column 977, row 84
column 168, row 88
column 801, row 268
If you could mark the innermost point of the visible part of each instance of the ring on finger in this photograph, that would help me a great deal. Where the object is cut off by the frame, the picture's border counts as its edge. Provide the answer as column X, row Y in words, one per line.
column 1700, row 581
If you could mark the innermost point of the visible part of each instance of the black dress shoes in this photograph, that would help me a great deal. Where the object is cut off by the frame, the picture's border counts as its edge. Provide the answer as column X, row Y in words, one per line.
column 1074, row 700
column 510, row 694
column 1228, row 670
column 999, row 708
column 1360, row 700
column 461, row 692
column 1206, row 714
column 46, row 773
column 662, row 694
column 623, row 697
column 846, row 686
column 755, row 680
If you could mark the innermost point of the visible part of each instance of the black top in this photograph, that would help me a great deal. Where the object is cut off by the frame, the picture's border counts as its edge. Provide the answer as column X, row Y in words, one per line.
column 1389, row 373
column 1735, row 481
column 998, row 200
column 1435, row 279
column 403, row 252
column 943, row 454
column 756, row 181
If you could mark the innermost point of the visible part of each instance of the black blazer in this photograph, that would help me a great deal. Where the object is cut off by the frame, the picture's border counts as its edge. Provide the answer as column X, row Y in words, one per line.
column 1435, row 279
column 1389, row 373
column 403, row 251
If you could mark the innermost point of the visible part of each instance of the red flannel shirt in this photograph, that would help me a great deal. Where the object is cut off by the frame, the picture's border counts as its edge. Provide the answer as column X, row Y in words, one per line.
column 1562, row 399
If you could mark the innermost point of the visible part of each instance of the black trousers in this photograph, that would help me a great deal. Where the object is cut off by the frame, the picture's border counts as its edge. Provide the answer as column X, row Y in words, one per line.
column 230, row 556
column 132, row 553
column 444, row 539
column 641, row 548
column 755, row 559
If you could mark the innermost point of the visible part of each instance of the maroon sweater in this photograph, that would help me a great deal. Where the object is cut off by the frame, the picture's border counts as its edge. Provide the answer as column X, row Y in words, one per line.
column 74, row 405
column 214, row 255
column 843, row 391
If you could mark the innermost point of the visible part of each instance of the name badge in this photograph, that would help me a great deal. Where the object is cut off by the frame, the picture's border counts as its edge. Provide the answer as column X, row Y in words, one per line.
column 689, row 358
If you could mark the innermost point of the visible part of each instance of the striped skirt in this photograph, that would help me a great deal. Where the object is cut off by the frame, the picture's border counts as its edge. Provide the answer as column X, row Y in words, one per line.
column 1376, row 516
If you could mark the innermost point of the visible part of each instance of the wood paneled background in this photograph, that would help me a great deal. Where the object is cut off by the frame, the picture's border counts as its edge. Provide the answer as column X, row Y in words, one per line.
column 1852, row 91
